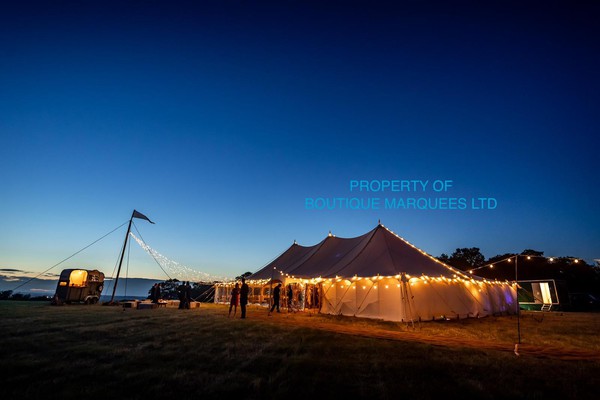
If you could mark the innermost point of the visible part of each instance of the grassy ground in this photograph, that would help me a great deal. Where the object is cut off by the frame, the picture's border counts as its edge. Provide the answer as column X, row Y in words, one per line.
column 93, row 352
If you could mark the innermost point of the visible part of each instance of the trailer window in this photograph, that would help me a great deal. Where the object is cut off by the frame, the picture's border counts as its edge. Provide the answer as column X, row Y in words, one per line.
column 78, row 277
column 546, row 296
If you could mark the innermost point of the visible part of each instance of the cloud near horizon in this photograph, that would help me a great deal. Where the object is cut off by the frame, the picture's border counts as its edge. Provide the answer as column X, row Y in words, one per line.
column 10, row 278
column 17, row 274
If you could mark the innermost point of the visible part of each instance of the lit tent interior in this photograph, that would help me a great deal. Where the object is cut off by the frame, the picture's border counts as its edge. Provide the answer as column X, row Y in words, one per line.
column 376, row 275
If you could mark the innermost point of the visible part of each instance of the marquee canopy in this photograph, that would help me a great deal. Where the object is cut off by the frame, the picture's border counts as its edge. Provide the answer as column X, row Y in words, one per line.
column 377, row 252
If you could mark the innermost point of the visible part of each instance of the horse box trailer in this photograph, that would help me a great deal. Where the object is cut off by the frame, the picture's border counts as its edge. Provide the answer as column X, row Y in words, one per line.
column 79, row 285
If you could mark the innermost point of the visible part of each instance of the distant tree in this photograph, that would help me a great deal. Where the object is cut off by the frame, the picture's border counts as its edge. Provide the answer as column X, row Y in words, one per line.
column 20, row 296
column 5, row 295
column 444, row 258
column 499, row 257
column 203, row 292
column 530, row 252
column 168, row 289
column 244, row 275
column 465, row 258
column 572, row 260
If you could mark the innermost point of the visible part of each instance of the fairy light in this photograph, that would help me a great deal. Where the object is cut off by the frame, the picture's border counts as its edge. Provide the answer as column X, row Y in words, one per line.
column 180, row 271
column 449, row 267
column 527, row 257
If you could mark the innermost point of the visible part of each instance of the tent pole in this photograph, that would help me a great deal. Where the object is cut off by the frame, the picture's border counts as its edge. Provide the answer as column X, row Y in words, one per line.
column 517, row 298
column 361, row 303
column 271, row 290
column 121, row 259
column 407, row 297
column 342, row 298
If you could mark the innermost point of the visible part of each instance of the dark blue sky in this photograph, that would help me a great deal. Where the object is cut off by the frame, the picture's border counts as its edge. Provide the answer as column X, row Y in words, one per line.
column 217, row 119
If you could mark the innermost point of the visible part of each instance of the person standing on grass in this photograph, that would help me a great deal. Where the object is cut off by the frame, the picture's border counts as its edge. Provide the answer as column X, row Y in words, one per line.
column 244, row 297
column 155, row 294
column 290, row 297
column 188, row 294
column 276, row 296
column 181, row 294
column 235, row 299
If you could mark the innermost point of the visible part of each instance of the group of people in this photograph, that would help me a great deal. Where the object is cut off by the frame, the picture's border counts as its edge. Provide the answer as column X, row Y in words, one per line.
column 291, row 303
column 294, row 298
column 184, row 292
column 239, row 296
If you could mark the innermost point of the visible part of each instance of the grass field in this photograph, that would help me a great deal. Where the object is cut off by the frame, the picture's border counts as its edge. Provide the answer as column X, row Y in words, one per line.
column 93, row 352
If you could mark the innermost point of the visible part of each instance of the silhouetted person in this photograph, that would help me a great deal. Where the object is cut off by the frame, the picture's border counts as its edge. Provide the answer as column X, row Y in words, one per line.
column 188, row 294
column 155, row 293
column 235, row 299
column 276, row 296
column 290, row 298
column 244, row 297
column 181, row 295
column 152, row 291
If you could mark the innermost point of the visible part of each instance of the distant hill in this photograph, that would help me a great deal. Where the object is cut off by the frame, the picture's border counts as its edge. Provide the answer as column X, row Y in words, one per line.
column 128, row 287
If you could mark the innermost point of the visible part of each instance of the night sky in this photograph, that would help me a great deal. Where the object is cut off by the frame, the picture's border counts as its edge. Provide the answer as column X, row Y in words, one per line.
column 218, row 119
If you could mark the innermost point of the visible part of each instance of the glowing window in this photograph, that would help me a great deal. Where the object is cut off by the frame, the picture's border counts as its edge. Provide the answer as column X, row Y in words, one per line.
column 546, row 296
column 78, row 277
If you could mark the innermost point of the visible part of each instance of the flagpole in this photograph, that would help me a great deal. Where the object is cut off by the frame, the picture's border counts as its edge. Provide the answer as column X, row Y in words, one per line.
column 121, row 260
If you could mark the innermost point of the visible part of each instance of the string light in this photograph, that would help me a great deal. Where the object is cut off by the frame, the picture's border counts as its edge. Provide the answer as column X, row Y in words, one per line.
column 451, row 268
column 180, row 271
column 528, row 257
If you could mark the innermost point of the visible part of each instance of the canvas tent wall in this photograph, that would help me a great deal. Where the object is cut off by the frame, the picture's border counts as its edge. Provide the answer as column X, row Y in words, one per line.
column 380, row 275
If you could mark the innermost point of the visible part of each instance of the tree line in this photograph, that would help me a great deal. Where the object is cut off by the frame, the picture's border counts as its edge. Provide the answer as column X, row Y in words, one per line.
column 527, row 265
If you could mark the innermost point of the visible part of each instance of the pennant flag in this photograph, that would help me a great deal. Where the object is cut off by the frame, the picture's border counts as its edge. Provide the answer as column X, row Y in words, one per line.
column 141, row 216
